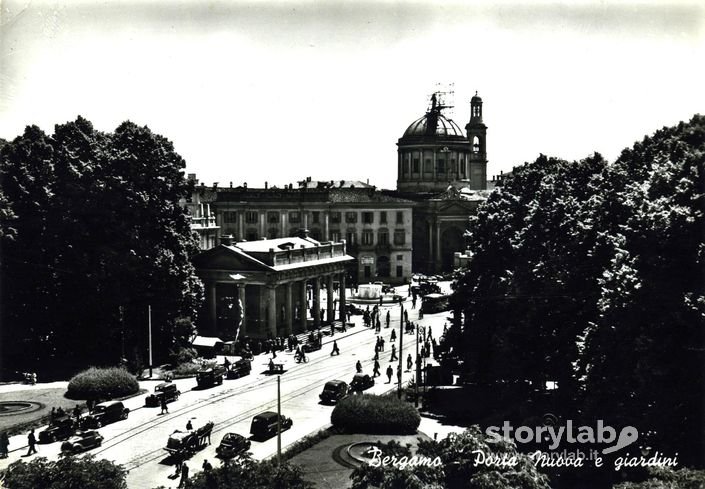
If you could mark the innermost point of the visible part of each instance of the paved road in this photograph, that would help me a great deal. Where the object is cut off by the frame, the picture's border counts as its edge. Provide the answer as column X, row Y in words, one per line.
column 138, row 442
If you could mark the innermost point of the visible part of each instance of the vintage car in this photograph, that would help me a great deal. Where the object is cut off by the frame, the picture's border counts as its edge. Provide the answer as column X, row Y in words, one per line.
column 354, row 310
column 433, row 303
column 104, row 413
column 165, row 390
column 59, row 429
column 239, row 369
column 82, row 441
column 425, row 288
column 232, row 445
column 210, row 376
column 185, row 443
column 360, row 382
column 334, row 391
column 264, row 425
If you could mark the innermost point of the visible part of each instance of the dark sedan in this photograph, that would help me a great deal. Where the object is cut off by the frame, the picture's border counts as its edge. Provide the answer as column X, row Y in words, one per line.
column 360, row 382
column 232, row 445
column 82, row 441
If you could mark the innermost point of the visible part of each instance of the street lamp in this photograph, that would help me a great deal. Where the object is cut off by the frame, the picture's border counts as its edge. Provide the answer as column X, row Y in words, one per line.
column 401, row 344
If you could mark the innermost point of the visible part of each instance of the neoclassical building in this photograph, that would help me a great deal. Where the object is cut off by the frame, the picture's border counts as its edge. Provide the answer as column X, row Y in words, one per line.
column 444, row 172
column 417, row 227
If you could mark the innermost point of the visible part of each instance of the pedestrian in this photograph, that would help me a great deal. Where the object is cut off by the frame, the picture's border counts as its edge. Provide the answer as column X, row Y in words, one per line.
column 394, row 353
column 406, row 317
column 387, row 320
column 59, row 412
column 376, row 357
column 165, row 408
column 409, row 363
column 375, row 370
column 210, row 477
column 393, row 336
column 32, row 442
column 274, row 354
column 184, row 475
column 380, row 299
column 378, row 324
column 4, row 444
column 381, row 344
column 189, row 426
column 335, row 351
column 390, row 372
column 207, row 467
column 358, row 367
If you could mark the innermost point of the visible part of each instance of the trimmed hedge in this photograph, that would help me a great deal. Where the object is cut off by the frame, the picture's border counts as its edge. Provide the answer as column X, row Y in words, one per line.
column 383, row 415
column 102, row 383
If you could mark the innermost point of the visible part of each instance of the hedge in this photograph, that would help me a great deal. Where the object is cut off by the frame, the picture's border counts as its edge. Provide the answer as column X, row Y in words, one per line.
column 384, row 415
column 102, row 383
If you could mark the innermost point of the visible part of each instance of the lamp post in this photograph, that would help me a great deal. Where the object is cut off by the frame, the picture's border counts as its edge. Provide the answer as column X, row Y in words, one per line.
column 418, row 369
column 401, row 344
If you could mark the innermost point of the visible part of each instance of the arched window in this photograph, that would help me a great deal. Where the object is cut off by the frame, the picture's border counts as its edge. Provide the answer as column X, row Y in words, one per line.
column 475, row 144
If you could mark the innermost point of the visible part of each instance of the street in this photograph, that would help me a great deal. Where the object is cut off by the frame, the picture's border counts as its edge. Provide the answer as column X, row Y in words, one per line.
column 138, row 442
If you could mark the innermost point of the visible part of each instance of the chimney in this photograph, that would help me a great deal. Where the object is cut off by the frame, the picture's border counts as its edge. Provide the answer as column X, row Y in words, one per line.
column 231, row 184
column 226, row 240
column 245, row 184
column 368, row 181
column 266, row 185
column 192, row 178
column 308, row 179
column 215, row 185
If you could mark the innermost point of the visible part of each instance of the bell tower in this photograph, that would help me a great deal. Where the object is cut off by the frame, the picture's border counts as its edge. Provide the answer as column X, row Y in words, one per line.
column 477, row 135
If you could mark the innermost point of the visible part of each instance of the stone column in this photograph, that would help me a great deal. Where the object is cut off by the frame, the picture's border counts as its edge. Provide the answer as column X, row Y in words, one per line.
column 326, row 235
column 330, row 312
column 262, row 224
column 241, row 225
column 341, row 298
column 243, row 304
column 289, row 310
column 438, row 259
column 272, row 310
column 304, row 309
column 212, row 313
column 317, row 301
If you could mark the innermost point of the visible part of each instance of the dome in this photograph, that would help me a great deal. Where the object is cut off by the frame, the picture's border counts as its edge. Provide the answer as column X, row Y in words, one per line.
column 444, row 127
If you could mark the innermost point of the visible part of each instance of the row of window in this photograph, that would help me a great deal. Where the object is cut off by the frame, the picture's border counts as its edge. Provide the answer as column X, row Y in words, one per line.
column 367, row 237
column 428, row 166
column 273, row 217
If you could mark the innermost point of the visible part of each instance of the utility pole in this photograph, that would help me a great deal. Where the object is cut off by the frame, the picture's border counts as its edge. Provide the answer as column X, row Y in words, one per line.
column 418, row 369
column 149, row 311
column 401, row 344
column 279, row 421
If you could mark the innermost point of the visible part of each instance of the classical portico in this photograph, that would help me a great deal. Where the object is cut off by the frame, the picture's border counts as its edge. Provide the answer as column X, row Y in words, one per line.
column 269, row 280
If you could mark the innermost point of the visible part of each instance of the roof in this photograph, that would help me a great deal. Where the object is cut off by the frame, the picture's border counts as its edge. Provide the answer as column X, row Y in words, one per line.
column 434, row 124
column 347, row 195
column 320, row 184
column 264, row 245
column 267, row 415
column 335, row 382
column 206, row 341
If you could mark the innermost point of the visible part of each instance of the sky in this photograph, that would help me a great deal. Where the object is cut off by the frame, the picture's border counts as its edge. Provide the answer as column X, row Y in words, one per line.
column 278, row 91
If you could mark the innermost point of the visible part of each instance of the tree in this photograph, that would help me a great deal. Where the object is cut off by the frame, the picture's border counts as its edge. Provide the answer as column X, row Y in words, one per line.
column 65, row 473
column 100, row 236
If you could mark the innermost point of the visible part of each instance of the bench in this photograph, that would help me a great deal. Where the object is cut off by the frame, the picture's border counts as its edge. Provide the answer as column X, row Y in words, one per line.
column 277, row 368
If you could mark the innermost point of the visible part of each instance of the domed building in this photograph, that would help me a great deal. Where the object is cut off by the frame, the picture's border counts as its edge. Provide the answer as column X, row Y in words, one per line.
column 444, row 171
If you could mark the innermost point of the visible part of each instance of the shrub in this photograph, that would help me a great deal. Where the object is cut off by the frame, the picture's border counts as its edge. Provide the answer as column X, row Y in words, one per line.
column 102, row 383
column 375, row 414
column 181, row 354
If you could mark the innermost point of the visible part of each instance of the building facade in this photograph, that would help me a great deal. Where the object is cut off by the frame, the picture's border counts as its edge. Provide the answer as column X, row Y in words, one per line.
column 377, row 228
column 270, row 280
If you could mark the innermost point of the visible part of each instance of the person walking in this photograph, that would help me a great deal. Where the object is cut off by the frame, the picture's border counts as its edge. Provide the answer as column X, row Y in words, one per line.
column 376, row 357
column 390, row 372
column 409, row 363
column 184, row 475
column 165, row 408
column 335, row 351
column 387, row 319
column 381, row 344
column 358, row 367
column 375, row 370
column 189, row 426
column 4, row 444
column 32, row 442
column 393, row 336
column 394, row 353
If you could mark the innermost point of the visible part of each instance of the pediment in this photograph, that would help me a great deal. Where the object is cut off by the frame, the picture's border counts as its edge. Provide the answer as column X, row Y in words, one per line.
column 457, row 207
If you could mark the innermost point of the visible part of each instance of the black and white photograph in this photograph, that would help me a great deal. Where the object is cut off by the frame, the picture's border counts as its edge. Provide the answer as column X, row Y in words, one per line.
column 335, row 244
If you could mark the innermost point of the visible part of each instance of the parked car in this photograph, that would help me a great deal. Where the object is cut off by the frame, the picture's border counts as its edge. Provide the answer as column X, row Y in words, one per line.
column 425, row 288
column 232, row 445
column 104, row 413
column 239, row 369
column 210, row 376
column 433, row 303
column 334, row 391
column 82, row 441
column 360, row 382
column 59, row 429
column 165, row 390
column 264, row 425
